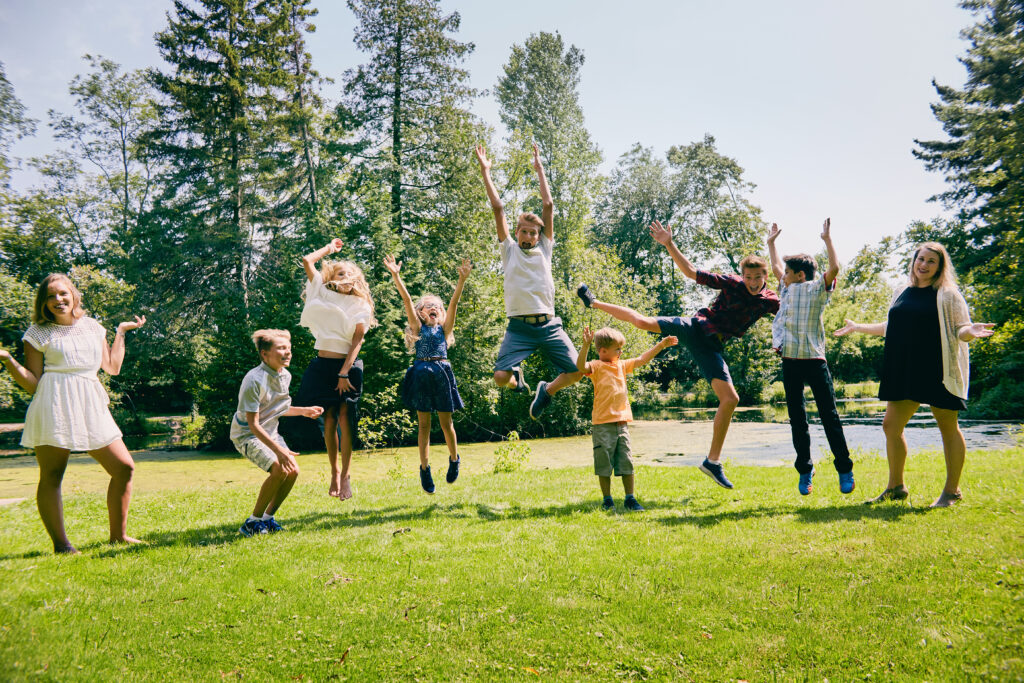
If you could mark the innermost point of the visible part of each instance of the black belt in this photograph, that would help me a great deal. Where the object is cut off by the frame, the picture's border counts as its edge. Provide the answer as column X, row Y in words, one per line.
column 434, row 358
column 532, row 319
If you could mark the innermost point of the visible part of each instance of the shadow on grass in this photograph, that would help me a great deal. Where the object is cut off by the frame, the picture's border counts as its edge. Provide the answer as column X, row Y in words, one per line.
column 855, row 512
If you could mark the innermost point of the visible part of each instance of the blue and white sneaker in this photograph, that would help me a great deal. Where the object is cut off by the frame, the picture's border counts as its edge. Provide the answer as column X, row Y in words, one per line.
column 272, row 526
column 714, row 470
column 253, row 527
column 846, row 482
column 541, row 400
column 805, row 486
column 521, row 385
column 426, row 480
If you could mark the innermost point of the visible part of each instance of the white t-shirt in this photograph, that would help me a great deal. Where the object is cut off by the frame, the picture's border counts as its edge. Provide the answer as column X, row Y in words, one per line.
column 529, row 289
column 332, row 317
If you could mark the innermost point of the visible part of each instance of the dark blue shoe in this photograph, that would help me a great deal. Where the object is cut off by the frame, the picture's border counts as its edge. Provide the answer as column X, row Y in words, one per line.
column 714, row 470
column 633, row 505
column 272, row 526
column 521, row 385
column 541, row 400
column 586, row 295
column 805, row 486
column 846, row 482
column 426, row 481
column 253, row 527
column 453, row 470
column 608, row 504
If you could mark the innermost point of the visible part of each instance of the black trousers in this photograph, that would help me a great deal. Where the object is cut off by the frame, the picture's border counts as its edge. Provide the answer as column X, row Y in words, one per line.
column 796, row 374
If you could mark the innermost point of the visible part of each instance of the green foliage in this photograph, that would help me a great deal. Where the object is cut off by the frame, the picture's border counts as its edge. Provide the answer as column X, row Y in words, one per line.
column 16, row 299
column 383, row 421
column 511, row 455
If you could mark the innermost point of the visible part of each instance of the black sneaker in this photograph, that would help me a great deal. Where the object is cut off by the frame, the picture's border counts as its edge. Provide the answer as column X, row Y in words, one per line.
column 714, row 470
column 584, row 293
column 633, row 505
column 453, row 470
column 426, row 481
column 608, row 504
column 521, row 384
column 540, row 401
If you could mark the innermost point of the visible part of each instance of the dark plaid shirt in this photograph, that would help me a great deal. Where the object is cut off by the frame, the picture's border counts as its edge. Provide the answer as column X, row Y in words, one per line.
column 735, row 309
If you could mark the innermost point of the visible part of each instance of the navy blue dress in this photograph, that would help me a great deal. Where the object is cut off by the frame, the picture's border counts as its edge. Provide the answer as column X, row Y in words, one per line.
column 430, row 384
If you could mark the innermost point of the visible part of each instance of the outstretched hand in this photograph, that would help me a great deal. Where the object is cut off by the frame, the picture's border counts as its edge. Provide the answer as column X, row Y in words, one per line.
column 671, row 340
column 537, row 166
column 825, row 228
column 392, row 265
column 4, row 354
column 464, row 269
column 661, row 234
column 131, row 324
column 979, row 330
column 846, row 329
column 774, row 233
column 313, row 412
column 588, row 335
column 481, row 156
column 335, row 245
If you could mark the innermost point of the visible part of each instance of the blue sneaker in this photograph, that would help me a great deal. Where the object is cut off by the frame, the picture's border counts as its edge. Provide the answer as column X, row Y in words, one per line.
column 585, row 295
column 846, row 483
column 805, row 484
column 453, row 470
column 426, row 481
column 633, row 505
column 714, row 470
column 272, row 526
column 608, row 504
column 521, row 385
column 253, row 527
column 541, row 400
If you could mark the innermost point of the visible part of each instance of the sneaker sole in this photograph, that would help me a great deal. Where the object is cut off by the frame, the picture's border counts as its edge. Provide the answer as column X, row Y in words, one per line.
column 712, row 475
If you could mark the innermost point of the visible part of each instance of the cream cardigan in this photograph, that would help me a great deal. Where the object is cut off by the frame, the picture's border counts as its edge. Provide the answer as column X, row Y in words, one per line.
column 953, row 317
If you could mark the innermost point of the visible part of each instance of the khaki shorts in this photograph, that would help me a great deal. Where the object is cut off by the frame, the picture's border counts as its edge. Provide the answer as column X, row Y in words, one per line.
column 258, row 453
column 611, row 450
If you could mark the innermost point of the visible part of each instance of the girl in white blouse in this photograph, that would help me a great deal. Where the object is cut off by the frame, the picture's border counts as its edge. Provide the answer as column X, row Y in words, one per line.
column 338, row 311
column 64, row 349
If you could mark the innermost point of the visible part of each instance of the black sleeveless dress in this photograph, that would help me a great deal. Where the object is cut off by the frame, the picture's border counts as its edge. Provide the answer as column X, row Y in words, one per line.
column 912, row 364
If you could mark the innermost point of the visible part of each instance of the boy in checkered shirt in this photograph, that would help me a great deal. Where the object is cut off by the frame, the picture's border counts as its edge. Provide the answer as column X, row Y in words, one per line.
column 799, row 337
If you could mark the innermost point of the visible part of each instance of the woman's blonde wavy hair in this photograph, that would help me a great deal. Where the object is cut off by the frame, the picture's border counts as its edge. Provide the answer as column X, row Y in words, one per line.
column 421, row 303
column 345, row 277
column 946, row 277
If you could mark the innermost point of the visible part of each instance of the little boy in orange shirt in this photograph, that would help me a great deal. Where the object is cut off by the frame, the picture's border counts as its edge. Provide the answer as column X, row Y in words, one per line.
column 611, row 412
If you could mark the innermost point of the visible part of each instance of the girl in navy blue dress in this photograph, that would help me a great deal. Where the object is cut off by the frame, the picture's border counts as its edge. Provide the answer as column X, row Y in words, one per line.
column 429, row 384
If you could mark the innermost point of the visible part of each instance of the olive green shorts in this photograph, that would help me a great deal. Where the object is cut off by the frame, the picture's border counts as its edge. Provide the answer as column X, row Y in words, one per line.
column 611, row 450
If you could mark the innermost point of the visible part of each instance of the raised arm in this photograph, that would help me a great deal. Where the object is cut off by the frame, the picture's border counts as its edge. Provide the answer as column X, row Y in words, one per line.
column 410, row 313
column 113, row 355
column 492, row 194
column 309, row 260
column 833, row 261
column 874, row 329
column 581, row 359
column 26, row 378
column 650, row 353
column 778, row 267
column 548, row 204
column 453, row 305
column 663, row 236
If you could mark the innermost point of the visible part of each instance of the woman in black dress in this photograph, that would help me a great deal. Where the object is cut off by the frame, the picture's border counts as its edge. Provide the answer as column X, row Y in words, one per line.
column 926, row 361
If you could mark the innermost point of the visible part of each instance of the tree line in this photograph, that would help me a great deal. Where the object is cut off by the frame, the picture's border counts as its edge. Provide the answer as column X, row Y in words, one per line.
column 191, row 189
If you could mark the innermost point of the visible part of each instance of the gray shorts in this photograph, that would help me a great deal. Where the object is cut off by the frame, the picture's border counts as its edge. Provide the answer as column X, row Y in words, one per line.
column 258, row 453
column 705, row 349
column 522, row 339
column 611, row 450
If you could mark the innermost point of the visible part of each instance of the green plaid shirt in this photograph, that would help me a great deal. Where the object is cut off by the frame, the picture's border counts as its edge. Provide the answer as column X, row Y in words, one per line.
column 797, row 331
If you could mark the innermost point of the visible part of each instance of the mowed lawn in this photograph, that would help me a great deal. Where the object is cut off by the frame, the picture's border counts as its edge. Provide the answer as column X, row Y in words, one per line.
column 521, row 576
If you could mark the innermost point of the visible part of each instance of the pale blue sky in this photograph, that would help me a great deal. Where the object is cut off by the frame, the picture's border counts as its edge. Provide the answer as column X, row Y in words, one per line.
column 818, row 100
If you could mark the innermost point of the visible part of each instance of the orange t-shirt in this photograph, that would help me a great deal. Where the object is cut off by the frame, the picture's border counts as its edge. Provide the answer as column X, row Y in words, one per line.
column 611, row 400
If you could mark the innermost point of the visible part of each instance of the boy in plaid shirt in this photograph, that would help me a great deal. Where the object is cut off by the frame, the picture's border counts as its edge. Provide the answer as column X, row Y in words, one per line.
column 741, row 301
column 799, row 337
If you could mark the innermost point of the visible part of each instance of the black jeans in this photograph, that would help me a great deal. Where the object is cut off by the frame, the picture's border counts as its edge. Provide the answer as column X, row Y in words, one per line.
column 796, row 373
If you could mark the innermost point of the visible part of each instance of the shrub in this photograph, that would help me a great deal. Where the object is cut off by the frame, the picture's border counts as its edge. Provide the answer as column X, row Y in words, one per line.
column 511, row 455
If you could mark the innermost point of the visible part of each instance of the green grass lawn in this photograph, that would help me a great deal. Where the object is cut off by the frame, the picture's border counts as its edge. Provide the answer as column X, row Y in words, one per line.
column 522, row 576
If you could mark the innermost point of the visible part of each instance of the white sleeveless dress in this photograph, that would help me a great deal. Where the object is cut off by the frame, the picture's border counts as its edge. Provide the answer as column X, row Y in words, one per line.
column 69, row 409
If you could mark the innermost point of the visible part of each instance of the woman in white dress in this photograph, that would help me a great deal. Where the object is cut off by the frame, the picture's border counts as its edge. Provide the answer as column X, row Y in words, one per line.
column 64, row 349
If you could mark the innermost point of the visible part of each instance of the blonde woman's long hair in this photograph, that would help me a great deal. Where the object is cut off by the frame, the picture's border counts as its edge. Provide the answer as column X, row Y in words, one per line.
column 945, row 278
column 345, row 277
column 40, row 313
column 421, row 303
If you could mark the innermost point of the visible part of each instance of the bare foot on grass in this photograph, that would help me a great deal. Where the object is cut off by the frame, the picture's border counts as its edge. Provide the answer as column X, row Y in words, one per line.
column 346, row 489
column 66, row 550
column 335, row 489
column 127, row 540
